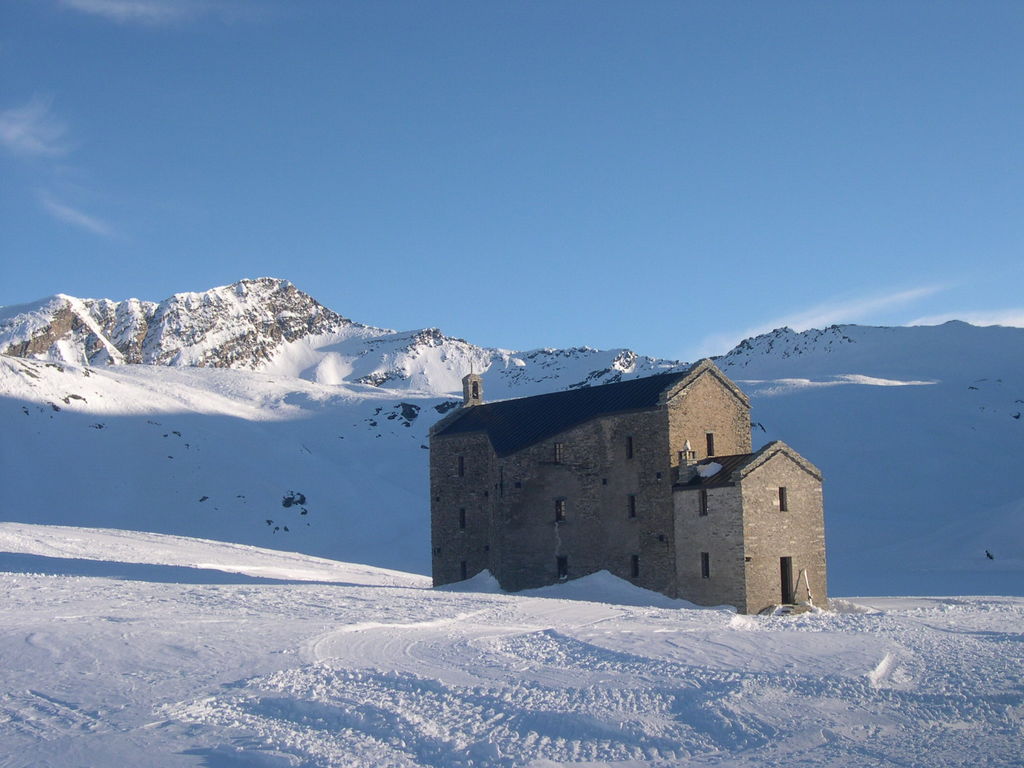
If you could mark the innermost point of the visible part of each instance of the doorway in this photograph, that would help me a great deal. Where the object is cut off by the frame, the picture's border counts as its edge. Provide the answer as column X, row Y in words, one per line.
column 786, row 573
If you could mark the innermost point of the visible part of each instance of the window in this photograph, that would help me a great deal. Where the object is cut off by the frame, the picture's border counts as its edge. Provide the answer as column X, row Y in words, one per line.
column 703, row 502
column 476, row 390
column 783, row 499
column 462, row 518
column 462, row 466
column 559, row 453
column 631, row 505
column 629, row 447
column 562, row 565
column 634, row 566
column 559, row 510
column 462, row 570
column 518, row 484
column 711, row 443
column 705, row 565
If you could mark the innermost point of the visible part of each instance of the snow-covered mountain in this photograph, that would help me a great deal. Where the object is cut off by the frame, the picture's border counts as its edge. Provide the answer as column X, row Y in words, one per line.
column 269, row 324
column 308, row 431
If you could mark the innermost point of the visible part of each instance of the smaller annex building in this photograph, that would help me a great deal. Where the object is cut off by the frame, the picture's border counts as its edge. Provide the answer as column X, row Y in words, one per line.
column 652, row 479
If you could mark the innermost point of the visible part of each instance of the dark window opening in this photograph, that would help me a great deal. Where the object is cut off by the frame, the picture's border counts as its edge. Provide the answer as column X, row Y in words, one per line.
column 487, row 547
column 559, row 510
column 559, row 453
column 703, row 502
column 518, row 484
column 783, row 499
column 634, row 566
column 462, row 518
column 705, row 565
column 711, row 443
column 629, row 447
column 476, row 390
column 631, row 505
column 604, row 481
column 786, row 576
column 562, row 564
column 462, row 466
column 462, row 570
column 437, row 550
column 657, row 475
column 501, row 482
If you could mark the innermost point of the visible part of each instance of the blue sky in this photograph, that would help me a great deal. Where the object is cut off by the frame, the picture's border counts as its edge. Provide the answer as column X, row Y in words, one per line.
column 667, row 176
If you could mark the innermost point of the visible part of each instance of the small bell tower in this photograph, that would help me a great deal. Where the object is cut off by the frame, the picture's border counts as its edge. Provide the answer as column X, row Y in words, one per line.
column 472, row 390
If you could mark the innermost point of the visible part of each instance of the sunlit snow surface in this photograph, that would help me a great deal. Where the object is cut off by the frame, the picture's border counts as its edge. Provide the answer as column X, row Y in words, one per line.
column 162, row 659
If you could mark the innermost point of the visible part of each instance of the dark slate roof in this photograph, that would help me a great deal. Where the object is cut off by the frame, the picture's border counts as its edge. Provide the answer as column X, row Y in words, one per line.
column 721, row 478
column 513, row 425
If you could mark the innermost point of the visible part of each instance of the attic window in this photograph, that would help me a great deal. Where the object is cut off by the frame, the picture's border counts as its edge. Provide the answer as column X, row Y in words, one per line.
column 703, row 502
column 783, row 499
column 559, row 510
column 629, row 447
column 711, row 443
column 559, row 453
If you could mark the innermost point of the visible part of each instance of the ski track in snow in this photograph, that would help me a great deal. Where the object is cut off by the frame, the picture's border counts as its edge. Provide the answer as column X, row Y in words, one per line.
column 103, row 671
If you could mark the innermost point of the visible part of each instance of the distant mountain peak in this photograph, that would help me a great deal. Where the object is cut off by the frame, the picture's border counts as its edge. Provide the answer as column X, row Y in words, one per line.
column 239, row 326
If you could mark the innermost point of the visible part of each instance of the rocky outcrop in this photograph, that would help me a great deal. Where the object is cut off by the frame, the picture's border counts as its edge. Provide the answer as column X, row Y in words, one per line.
column 235, row 326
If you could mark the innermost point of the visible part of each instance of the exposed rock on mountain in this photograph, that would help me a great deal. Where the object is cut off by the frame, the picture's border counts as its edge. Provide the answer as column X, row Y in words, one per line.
column 236, row 326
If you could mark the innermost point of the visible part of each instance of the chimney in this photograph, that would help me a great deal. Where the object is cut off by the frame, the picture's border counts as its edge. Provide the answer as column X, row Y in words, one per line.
column 472, row 390
column 687, row 463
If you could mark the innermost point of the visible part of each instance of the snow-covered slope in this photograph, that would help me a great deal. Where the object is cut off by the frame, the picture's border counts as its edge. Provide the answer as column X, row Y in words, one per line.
column 919, row 432
column 150, row 651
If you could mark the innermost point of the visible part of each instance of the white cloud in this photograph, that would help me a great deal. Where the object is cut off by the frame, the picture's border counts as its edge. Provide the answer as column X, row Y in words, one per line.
column 153, row 12
column 1009, row 317
column 820, row 316
column 75, row 217
column 32, row 130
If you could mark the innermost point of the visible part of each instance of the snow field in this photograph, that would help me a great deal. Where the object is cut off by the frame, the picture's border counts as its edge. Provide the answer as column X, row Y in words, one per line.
column 104, row 671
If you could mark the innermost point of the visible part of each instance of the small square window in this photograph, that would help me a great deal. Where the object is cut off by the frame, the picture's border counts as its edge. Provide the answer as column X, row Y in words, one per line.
column 518, row 484
column 705, row 565
column 559, row 510
column 783, row 499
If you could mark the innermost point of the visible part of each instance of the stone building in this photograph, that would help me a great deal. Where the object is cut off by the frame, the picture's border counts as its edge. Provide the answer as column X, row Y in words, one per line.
column 652, row 479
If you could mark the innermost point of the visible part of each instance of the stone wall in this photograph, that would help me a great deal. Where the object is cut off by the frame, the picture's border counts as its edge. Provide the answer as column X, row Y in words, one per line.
column 770, row 534
column 720, row 534
column 708, row 404
column 450, row 492
column 595, row 478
